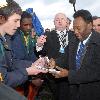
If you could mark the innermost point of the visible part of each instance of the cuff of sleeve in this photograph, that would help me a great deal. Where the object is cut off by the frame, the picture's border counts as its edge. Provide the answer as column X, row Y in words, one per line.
column 39, row 48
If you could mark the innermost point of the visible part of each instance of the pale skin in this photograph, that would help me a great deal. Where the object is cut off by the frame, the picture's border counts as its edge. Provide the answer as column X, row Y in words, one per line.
column 96, row 25
column 60, row 22
column 10, row 26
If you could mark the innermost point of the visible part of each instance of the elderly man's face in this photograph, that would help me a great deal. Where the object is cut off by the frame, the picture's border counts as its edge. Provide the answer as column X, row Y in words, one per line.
column 60, row 22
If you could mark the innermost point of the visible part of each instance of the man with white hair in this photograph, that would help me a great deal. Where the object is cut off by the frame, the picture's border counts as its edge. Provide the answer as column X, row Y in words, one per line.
column 54, row 44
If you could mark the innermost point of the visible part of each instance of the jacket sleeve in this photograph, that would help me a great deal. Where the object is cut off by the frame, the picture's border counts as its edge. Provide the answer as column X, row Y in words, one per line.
column 17, row 75
column 90, row 68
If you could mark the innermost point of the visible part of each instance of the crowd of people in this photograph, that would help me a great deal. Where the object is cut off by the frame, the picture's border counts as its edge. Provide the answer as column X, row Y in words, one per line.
column 61, row 64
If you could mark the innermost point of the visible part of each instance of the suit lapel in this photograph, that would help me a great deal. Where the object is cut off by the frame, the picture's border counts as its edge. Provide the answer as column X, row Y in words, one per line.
column 56, row 39
column 89, row 47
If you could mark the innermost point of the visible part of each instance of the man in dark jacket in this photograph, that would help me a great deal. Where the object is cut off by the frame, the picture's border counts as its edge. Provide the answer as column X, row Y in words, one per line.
column 22, row 44
column 84, row 59
column 55, row 44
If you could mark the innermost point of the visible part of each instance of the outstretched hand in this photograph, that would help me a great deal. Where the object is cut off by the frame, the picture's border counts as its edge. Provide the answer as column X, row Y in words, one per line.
column 62, row 73
column 41, row 40
column 52, row 63
column 56, row 71
column 37, row 67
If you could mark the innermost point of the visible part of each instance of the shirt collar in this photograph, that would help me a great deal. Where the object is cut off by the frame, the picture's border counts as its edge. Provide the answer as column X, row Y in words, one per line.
column 84, row 42
column 59, row 32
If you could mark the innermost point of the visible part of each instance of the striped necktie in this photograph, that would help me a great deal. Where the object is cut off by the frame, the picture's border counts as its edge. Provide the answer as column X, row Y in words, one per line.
column 62, row 37
column 79, row 55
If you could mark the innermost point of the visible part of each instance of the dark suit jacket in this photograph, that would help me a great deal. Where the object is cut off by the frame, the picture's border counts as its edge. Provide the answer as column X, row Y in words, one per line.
column 51, row 49
column 52, row 46
column 85, row 82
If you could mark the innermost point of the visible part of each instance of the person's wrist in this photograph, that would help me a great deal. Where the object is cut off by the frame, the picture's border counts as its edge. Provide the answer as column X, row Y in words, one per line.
column 28, row 70
column 39, row 44
column 31, row 71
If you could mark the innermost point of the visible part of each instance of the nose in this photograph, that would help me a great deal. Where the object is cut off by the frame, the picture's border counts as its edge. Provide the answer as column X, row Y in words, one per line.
column 59, row 20
column 75, row 31
column 28, row 27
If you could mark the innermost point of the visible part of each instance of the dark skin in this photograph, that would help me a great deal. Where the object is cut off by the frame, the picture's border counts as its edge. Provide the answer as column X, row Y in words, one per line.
column 82, row 30
column 26, row 26
column 63, row 72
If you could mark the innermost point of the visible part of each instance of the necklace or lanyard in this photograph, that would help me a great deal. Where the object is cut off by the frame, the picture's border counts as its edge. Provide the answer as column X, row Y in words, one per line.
column 63, row 39
column 26, row 38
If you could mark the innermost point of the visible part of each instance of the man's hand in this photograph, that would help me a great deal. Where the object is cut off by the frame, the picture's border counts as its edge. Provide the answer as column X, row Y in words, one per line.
column 62, row 73
column 41, row 40
column 39, row 63
column 35, row 71
column 52, row 63
column 37, row 67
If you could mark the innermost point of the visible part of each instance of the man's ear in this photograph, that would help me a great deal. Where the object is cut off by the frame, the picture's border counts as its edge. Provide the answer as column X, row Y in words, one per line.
column 2, row 19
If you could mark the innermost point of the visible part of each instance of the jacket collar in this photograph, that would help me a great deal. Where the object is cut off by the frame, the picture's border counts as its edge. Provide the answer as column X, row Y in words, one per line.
column 95, row 38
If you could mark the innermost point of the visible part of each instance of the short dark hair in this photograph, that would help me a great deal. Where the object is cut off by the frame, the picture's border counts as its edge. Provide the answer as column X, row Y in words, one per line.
column 25, row 15
column 95, row 17
column 85, row 14
column 11, row 8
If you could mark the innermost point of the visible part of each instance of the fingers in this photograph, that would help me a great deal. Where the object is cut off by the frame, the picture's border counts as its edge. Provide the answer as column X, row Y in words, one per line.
column 56, row 75
column 43, row 71
column 52, row 63
column 59, row 68
column 61, row 73
column 34, row 70
column 40, row 62
column 37, row 71
column 41, row 39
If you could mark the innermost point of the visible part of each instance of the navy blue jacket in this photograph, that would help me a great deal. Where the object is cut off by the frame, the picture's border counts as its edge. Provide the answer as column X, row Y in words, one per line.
column 19, row 48
column 13, row 61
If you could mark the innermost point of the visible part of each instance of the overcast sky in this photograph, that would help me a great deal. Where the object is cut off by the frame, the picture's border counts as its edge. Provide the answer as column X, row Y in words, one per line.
column 46, row 9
